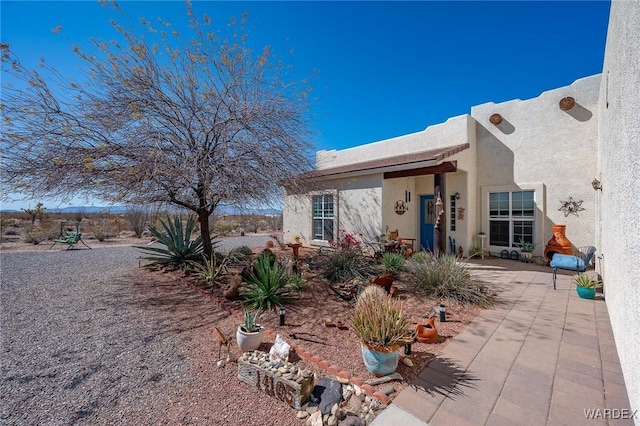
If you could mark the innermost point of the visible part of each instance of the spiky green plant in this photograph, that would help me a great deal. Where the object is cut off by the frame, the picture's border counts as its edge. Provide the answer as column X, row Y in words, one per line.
column 392, row 262
column 240, row 254
column 210, row 269
column 266, row 285
column 380, row 320
column 179, row 248
column 585, row 281
column 446, row 277
column 250, row 321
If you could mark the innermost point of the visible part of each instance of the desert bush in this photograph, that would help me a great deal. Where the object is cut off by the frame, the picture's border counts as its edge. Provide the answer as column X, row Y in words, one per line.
column 177, row 240
column 100, row 229
column 240, row 254
column 137, row 220
column 35, row 234
column 344, row 265
column 266, row 285
column 446, row 277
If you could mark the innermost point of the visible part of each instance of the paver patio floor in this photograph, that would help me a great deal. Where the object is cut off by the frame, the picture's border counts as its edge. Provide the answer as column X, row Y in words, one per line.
column 539, row 357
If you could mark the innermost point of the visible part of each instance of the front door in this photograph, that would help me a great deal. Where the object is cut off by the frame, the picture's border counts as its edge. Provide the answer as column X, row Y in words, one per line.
column 427, row 221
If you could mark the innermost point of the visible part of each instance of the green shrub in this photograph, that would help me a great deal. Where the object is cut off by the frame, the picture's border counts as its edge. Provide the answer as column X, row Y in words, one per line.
column 345, row 265
column 445, row 277
column 179, row 247
column 392, row 262
column 240, row 254
column 266, row 285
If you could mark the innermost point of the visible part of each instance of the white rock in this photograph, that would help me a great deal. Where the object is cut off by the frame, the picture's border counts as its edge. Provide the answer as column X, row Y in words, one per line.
column 375, row 404
column 367, row 400
column 343, row 380
column 368, row 418
column 302, row 415
column 315, row 419
column 357, row 390
column 407, row 362
column 220, row 363
column 346, row 394
column 332, row 421
column 334, row 409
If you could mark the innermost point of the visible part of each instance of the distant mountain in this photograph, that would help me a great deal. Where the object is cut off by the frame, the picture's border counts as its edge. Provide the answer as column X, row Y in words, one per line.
column 229, row 210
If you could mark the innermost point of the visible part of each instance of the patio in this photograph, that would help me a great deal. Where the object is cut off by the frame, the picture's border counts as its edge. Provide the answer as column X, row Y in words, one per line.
column 540, row 357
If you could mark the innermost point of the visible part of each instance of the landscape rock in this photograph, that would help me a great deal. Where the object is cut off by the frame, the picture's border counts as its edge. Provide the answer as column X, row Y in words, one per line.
column 329, row 391
column 407, row 362
column 315, row 419
column 332, row 421
column 387, row 390
column 302, row 415
column 352, row 421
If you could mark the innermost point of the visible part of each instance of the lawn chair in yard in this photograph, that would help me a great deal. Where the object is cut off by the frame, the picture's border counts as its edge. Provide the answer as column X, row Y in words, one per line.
column 69, row 236
column 578, row 262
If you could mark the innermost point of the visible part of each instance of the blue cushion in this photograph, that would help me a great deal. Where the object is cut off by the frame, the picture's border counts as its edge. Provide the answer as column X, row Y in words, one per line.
column 565, row 261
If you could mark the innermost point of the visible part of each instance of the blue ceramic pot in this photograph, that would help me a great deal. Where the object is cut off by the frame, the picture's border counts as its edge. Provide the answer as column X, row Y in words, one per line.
column 586, row 293
column 380, row 363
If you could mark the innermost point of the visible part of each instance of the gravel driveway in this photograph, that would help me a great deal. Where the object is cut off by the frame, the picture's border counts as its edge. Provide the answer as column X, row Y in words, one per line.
column 82, row 344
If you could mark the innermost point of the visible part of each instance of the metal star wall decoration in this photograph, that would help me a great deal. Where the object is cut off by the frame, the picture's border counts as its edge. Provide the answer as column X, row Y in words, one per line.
column 571, row 207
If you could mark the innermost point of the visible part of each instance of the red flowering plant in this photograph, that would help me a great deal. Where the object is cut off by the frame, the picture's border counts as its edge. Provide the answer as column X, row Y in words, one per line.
column 347, row 242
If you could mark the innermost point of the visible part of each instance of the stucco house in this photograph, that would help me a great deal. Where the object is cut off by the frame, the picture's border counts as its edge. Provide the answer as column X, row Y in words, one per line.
column 506, row 172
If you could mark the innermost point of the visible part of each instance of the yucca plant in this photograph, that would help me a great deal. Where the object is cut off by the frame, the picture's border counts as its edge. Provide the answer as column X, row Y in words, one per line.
column 392, row 262
column 445, row 277
column 381, row 321
column 266, row 285
column 250, row 321
column 177, row 240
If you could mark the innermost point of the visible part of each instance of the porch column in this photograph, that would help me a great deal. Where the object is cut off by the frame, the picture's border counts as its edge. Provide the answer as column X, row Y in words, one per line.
column 439, row 231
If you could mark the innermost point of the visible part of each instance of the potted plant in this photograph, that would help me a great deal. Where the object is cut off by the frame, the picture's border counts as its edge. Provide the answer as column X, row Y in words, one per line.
column 382, row 326
column 526, row 249
column 249, row 334
column 585, row 286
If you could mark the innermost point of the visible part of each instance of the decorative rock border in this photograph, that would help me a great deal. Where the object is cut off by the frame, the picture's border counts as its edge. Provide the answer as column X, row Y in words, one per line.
column 346, row 379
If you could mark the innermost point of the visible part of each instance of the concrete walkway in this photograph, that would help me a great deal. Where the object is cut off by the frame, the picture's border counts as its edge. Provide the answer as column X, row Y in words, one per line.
column 540, row 357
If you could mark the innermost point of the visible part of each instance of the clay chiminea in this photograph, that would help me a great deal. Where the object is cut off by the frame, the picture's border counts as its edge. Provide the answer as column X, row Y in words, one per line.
column 383, row 280
column 427, row 333
column 558, row 243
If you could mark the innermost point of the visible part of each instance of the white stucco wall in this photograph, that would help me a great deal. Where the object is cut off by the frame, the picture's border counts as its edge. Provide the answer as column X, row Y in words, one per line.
column 539, row 146
column 451, row 132
column 619, row 171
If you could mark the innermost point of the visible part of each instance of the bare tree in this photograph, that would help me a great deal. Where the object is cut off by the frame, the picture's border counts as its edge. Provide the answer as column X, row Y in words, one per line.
column 160, row 118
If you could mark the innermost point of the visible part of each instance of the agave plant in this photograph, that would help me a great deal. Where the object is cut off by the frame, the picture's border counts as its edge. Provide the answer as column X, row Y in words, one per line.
column 266, row 285
column 179, row 248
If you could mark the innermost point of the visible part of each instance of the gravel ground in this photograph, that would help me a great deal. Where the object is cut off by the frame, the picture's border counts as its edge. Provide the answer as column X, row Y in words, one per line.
column 88, row 338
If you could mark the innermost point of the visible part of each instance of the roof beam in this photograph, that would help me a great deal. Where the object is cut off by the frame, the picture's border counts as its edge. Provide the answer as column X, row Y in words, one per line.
column 445, row 167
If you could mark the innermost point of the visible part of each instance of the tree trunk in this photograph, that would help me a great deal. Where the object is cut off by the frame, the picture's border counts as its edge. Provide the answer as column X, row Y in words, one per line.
column 203, row 218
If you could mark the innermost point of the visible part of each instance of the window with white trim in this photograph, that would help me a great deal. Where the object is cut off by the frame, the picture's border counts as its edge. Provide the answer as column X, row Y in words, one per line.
column 511, row 217
column 323, row 216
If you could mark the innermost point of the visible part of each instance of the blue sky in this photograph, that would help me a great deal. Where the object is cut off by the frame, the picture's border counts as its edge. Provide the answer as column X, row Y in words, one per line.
column 384, row 69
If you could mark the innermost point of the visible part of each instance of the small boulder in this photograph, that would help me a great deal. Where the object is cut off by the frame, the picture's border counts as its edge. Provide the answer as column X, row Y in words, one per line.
column 352, row 421
column 329, row 391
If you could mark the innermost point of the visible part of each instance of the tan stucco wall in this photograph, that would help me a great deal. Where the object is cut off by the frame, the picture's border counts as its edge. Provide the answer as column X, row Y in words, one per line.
column 452, row 132
column 539, row 146
column 619, row 171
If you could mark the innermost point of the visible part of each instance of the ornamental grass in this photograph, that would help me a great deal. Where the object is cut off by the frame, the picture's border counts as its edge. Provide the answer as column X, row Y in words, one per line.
column 381, row 321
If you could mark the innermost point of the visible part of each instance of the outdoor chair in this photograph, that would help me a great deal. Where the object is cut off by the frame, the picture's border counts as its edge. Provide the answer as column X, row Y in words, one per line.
column 68, row 236
column 578, row 262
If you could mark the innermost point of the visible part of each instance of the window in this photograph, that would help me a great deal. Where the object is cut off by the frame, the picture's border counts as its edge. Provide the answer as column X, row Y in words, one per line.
column 323, row 217
column 452, row 213
column 511, row 218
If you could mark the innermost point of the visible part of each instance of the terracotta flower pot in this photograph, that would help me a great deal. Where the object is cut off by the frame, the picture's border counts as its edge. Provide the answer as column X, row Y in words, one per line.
column 384, row 280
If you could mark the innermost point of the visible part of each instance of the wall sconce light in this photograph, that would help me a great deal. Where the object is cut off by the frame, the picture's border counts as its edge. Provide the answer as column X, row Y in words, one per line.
column 597, row 185
column 457, row 195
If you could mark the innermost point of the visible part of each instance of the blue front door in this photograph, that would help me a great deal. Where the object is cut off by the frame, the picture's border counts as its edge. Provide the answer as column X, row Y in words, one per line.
column 427, row 221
